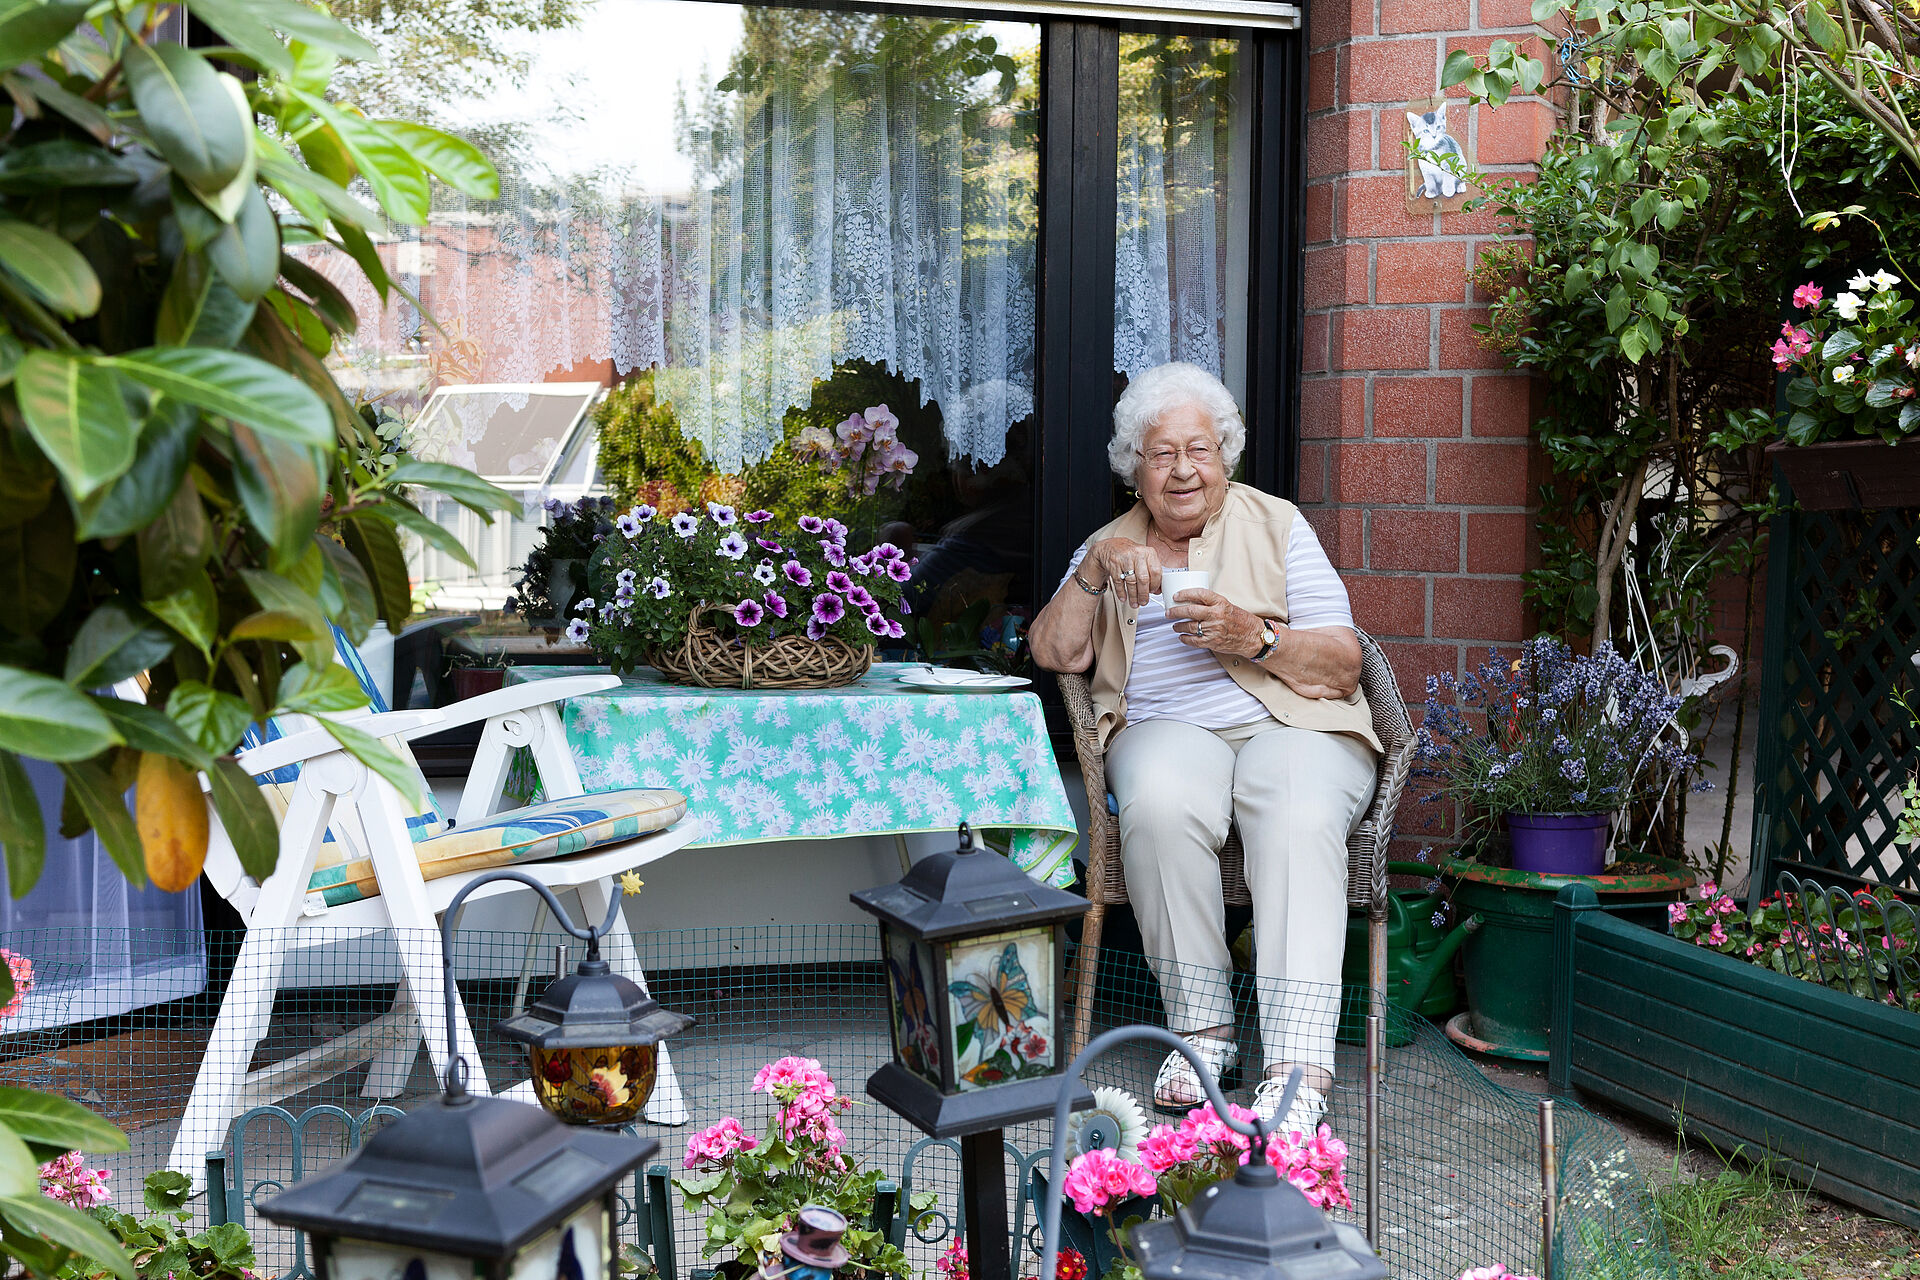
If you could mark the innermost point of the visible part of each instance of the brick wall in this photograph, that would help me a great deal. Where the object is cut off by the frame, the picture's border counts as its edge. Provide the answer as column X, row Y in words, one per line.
column 1415, row 465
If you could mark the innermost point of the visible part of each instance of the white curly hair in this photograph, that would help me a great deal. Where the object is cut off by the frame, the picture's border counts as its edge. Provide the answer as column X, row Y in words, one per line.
column 1151, row 394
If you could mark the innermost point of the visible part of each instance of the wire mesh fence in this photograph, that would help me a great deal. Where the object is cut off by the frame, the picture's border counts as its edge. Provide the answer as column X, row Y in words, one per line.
column 1459, row 1156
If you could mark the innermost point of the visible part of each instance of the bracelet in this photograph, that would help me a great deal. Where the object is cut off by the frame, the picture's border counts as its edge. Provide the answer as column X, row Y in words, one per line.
column 1082, row 584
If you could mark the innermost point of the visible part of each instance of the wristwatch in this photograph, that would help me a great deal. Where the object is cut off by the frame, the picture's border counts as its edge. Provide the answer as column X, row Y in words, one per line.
column 1269, row 640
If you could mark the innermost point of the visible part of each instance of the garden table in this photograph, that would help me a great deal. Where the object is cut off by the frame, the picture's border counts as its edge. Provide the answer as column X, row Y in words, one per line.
column 874, row 757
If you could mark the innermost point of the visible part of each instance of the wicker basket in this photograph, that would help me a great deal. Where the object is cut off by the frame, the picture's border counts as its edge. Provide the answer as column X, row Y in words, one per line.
column 706, row 658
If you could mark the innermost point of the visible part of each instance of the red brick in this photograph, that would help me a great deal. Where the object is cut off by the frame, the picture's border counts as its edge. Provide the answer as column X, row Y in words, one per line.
column 1400, row 16
column 1313, row 343
column 1335, row 21
column 1321, row 80
column 1413, row 663
column 1382, row 338
column 1378, row 207
column 1479, row 608
column 1495, row 14
column 1333, row 408
column 1311, row 483
column 1482, row 475
column 1393, row 70
column 1514, row 134
column 1388, row 606
column 1339, row 142
column 1502, row 405
column 1460, row 346
column 1364, row 471
column 1428, row 407
column 1336, row 275
column 1523, row 246
column 1414, row 541
column 1421, row 271
column 1320, row 213
column 1497, row 543
column 1340, row 530
column 1487, row 220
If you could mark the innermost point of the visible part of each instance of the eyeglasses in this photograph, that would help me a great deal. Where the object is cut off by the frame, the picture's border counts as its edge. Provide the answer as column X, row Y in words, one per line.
column 1200, row 455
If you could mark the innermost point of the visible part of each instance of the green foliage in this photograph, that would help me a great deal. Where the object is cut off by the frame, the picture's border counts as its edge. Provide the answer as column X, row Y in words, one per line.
column 159, row 1245
column 43, row 1236
column 170, row 438
column 1855, row 359
column 1851, row 944
column 554, row 573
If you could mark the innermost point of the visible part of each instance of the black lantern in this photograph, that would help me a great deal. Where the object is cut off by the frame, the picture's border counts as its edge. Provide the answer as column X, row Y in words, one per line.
column 593, row 1039
column 466, row 1188
column 975, row 958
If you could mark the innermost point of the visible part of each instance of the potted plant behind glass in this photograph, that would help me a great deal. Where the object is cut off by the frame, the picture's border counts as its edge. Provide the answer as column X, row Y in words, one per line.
column 1552, row 746
column 724, row 599
column 553, row 578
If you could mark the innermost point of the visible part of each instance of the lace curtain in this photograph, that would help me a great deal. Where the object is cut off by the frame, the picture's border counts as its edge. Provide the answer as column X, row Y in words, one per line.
column 1178, row 204
column 845, row 208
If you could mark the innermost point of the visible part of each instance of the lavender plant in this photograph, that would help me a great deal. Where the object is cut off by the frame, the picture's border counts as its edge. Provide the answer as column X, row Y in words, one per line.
column 1552, row 732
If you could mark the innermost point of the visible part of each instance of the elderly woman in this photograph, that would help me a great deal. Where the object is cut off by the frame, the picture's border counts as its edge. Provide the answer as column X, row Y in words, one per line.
column 1236, row 704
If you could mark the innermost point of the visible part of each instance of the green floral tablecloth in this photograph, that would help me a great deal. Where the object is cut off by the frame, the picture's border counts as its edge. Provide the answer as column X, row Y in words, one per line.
column 871, row 758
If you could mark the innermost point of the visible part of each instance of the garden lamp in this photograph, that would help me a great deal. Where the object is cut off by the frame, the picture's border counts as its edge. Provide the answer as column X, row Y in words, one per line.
column 1252, row 1226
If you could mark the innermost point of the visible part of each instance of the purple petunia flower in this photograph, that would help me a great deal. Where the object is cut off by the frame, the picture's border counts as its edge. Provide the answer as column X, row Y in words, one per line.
column 835, row 554
column 722, row 516
column 887, row 551
column 899, row 570
column 686, row 524
column 905, row 607
column 659, row 589
column 644, row 513
column 895, row 630
column 776, row 604
column 768, row 544
column 759, row 517
column 815, row 629
column 876, row 624
column 836, row 530
column 628, row 526
column 577, row 631
column 857, row 596
column 812, row 524
column 733, row 546
column 838, row 581
column 862, row 564
column 829, row 608
column 748, row 613
column 798, row 574
column 626, row 577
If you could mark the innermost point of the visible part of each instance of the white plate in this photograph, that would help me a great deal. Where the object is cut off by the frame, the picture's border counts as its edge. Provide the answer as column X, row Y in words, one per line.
column 952, row 680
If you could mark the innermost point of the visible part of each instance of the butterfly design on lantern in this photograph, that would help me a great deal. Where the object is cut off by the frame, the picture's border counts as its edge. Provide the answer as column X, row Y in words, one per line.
column 915, row 1030
column 999, row 1019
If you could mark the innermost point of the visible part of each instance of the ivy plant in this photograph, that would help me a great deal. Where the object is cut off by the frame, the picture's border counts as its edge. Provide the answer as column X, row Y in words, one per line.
column 186, row 494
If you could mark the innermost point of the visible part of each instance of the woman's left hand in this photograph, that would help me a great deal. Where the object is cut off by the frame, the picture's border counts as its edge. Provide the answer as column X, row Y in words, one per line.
column 1208, row 620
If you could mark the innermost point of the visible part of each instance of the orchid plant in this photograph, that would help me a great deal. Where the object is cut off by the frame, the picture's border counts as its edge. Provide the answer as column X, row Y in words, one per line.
column 757, row 581
column 1854, row 361
column 866, row 448
column 751, row 1187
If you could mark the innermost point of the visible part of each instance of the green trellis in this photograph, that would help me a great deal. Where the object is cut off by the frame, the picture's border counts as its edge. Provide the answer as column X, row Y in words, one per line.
column 1843, row 619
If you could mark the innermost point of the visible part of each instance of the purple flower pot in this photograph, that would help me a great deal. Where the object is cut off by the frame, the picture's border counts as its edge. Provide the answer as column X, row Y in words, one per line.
column 1566, row 844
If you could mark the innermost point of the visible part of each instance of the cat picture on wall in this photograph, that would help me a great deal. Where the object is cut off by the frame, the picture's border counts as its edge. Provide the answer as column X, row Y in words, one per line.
column 1435, row 158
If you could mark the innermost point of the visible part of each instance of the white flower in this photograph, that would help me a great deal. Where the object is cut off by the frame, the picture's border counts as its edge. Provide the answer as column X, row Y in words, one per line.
column 1115, row 1122
column 733, row 546
column 1847, row 305
column 1884, row 279
column 1913, row 356
column 686, row 524
column 577, row 631
column 764, row 573
column 1861, row 282
column 1844, row 374
column 722, row 515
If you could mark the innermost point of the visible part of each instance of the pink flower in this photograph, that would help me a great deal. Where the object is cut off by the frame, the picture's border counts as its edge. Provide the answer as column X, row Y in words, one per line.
column 1100, row 1178
column 22, row 970
column 791, row 1077
column 1708, row 891
column 1166, row 1147
column 1494, row 1272
column 953, row 1263
column 1714, row 936
column 896, row 629
column 1317, row 1165
column 1808, row 295
column 717, row 1143
column 67, row 1179
column 1676, row 913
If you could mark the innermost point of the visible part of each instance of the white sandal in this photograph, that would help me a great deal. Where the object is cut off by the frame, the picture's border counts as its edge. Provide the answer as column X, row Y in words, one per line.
column 1221, row 1057
column 1302, row 1118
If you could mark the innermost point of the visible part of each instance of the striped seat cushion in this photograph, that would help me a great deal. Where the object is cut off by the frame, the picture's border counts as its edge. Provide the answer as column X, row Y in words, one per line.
column 553, row 829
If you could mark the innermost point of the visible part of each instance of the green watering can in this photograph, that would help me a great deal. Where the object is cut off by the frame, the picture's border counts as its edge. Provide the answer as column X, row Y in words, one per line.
column 1419, row 959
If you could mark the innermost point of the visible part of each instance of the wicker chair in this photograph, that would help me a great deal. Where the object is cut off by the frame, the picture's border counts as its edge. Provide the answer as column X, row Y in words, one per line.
column 1366, row 850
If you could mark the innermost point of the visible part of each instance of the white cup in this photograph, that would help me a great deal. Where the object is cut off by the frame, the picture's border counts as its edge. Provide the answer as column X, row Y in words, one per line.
column 1174, row 581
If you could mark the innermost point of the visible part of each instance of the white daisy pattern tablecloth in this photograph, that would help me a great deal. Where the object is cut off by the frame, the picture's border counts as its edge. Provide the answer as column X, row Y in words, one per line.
column 870, row 758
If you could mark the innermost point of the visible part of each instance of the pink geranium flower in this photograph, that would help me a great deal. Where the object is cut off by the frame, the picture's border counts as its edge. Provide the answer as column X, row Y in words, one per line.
column 1100, row 1178
column 67, row 1179
column 716, row 1143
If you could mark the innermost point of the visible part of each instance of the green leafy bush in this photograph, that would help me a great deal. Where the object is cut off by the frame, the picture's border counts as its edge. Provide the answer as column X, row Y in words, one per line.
column 159, row 1244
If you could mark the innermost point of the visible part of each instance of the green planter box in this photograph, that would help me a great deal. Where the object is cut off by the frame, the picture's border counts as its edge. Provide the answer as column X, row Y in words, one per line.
column 1829, row 1083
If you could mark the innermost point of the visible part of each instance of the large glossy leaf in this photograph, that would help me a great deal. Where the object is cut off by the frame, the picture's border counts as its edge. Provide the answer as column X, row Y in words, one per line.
column 93, row 788
column 159, row 466
column 43, row 719
column 23, row 828
column 54, row 1121
column 240, row 23
column 213, row 718
column 437, row 536
column 50, row 268
column 379, row 757
column 190, row 115
column 358, row 606
column 234, row 385
column 246, row 252
column 19, row 1171
column 397, row 180
column 325, row 295
column 118, row 640
column 458, row 483
column 151, row 730
column 454, row 161
column 199, row 308
column 174, row 545
column 245, row 817
column 77, row 414
column 302, row 321
column 279, row 483
column 69, row 1228
column 309, row 26
column 61, row 163
column 360, row 248
column 317, row 690
column 37, row 559
column 373, row 544
column 29, row 28
column 193, row 611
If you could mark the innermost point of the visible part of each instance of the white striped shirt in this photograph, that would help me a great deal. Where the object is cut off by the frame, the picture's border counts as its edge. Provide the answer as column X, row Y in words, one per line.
column 1173, row 680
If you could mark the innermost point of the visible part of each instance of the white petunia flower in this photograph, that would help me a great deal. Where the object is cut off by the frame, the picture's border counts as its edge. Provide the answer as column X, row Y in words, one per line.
column 1847, row 305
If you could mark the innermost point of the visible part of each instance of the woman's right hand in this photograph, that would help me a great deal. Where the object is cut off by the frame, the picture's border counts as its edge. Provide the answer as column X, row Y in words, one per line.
column 1133, row 570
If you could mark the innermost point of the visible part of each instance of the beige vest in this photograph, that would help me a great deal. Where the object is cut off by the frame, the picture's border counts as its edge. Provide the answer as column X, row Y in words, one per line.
column 1244, row 549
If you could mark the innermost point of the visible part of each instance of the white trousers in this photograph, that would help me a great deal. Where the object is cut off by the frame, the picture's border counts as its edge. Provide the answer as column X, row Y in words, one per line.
column 1296, row 795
